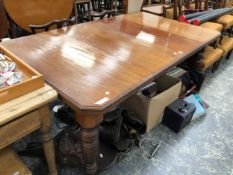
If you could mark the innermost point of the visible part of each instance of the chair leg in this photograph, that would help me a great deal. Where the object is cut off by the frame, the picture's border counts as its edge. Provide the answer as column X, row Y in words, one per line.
column 214, row 67
column 221, row 37
column 89, row 11
column 76, row 13
column 228, row 55
column 215, row 44
column 231, row 31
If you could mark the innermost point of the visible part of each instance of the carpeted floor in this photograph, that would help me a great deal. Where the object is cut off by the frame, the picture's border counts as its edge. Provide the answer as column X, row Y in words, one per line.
column 205, row 147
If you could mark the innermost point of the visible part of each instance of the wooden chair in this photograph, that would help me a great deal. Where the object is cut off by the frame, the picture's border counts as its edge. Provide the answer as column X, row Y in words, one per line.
column 156, row 9
column 226, row 21
column 209, row 56
column 82, row 10
column 120, row 6
column 56, row 23
column 213, row 55
column 102, row 8
column 206, row 58
column 227, row 46
column 194, row 6
column 174, row 10
column 180, row 7
column 226, row 43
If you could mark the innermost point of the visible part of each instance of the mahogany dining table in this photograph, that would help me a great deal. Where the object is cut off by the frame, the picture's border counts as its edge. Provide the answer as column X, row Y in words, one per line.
column 97, row 65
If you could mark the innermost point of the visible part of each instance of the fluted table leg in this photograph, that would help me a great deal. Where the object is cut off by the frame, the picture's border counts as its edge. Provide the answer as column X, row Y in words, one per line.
column 90, row 148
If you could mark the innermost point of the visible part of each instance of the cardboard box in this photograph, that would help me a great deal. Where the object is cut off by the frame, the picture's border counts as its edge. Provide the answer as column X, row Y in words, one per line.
column 150, row 110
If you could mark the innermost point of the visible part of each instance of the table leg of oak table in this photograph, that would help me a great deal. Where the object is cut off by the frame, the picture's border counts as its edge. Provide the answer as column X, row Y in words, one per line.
column 90, row 148
column 47, row 139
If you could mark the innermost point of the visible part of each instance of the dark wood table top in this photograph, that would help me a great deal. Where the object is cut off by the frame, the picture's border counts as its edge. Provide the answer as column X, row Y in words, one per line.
column 37, row 12
column 95, row 65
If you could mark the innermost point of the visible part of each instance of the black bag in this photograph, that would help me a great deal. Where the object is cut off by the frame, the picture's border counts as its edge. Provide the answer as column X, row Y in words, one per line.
column 68, row 147
column 194, row 78
column 120, row 127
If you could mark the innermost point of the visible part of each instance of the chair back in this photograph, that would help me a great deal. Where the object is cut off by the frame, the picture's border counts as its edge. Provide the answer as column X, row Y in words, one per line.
column 100, row 5
column 38, row 12
column 174, row 10
column 54, row 24
column 102, row 8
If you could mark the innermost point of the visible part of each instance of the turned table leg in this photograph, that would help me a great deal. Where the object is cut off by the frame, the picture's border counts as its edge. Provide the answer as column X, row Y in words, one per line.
column 90, row 148
column 47, row 139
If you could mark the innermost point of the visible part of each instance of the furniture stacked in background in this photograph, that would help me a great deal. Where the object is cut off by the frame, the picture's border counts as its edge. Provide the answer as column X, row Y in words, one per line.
column 218, row 20
column 223, row 47
column 176, row 8
column 87, row 10
column 170, row 10
column 82, row 10
column 211, row 55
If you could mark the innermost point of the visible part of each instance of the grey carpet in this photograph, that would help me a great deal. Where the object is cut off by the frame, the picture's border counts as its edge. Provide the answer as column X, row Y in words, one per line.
column 205, row 147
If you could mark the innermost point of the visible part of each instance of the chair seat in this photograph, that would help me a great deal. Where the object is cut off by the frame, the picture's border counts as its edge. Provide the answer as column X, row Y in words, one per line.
column 211, row 55
column 227, row 44
column 101, row 14
column 226, row 21
column 212, row 26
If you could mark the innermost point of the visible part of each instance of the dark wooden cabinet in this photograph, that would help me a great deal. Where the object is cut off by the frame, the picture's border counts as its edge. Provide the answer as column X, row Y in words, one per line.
column 4, row 26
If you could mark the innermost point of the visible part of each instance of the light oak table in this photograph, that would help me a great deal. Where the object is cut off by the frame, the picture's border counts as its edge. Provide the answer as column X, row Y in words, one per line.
column 23, row 115
column 11, row 164
column 95, row 66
